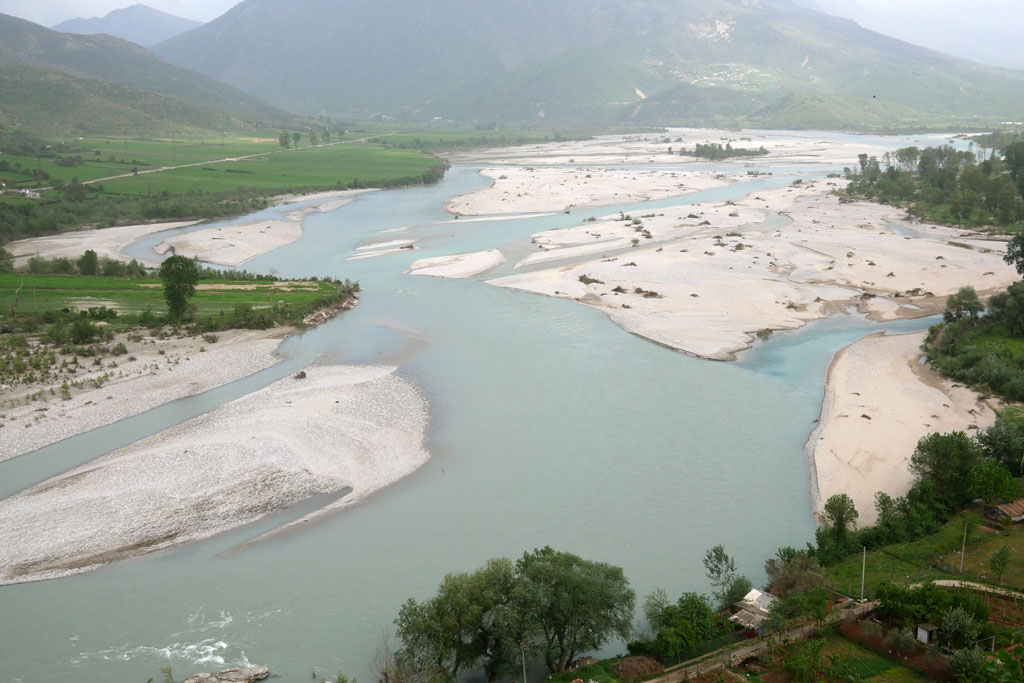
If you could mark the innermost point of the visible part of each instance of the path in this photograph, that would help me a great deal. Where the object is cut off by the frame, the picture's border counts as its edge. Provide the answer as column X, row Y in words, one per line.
column 731, row 656
column 218, row 161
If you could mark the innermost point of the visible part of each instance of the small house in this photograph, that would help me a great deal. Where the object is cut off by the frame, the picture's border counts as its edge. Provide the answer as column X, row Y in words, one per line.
column 1014, row 511
column 752, row 612
column 31, row 194
column 926, row 633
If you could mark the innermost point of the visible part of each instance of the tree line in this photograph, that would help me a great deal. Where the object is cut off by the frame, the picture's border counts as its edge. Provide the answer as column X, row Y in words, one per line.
column 945, row 184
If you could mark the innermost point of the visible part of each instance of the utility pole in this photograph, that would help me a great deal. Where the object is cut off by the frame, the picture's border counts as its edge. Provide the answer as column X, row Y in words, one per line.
column 963, row 548
column 522, row 648
column 863, row 570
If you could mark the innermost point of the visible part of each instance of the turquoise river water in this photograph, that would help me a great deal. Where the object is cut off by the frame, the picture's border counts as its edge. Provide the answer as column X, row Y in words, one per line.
column 549, row 425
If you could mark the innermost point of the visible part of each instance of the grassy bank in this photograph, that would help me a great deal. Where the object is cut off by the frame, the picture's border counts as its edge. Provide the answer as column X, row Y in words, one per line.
column 936, row 556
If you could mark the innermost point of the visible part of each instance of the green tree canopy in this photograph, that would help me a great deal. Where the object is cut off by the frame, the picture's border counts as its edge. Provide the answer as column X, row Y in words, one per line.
column 721, row 570
column 946, row 460
column 180, row 276
column 556, row 604
column 993, row 483
column 794, row 572
column 964, row 305
column 569, row 605
column 1000, row 562
column 458, row 628
column 88, row 263
column 841, row 515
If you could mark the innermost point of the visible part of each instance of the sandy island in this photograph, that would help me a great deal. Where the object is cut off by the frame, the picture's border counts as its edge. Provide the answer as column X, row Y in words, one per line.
column 236, row 244
column 706, row 278
column 526, row 190
column 347, row 427
column 879, row 401
column 457, row 266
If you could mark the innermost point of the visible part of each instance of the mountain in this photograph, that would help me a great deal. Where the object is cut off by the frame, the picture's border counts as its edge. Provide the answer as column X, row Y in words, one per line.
column 989, row 33
column 44, row 102
column 118, row 61
column 137, row 24
column 584, row 61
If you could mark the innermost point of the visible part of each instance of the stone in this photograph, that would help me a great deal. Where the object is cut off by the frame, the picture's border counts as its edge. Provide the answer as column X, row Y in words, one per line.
column 249, row 675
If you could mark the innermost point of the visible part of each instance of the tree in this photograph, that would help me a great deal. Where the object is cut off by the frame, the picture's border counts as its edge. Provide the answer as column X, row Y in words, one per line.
column 88, row 263
column 296, row 137
column 1015, row 253
column 565, row 604
column 993, row 483
column 737, row 589
column 678, row 627
column 6, row 261
column 312, row 138
column 902, row 640
column 75, row 191
column 841, row 514
column 180, row 276
column 460, row 627
column 721, row 570
column 946, row 460
column 959, row 628
column 964, row 305
column 999, row 562
column 1004, row 442
column 1013, row 155
column 789, row 574
column 284, row 140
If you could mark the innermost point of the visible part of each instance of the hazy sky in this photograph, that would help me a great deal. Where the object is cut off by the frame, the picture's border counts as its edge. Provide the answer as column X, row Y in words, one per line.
column 50, row 12
column 988, row 31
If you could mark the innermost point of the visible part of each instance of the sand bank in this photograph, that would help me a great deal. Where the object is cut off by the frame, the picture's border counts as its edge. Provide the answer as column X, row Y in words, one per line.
column 712, row 275
column 457, row 266
column 233, row 245
column 153, row 372
column 358, row 427
column 653, row 148
column 108, row 242
column 529, row 190
column 879, row 401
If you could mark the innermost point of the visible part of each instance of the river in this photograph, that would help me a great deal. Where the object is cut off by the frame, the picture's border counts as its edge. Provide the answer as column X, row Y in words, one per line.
column 549, row 426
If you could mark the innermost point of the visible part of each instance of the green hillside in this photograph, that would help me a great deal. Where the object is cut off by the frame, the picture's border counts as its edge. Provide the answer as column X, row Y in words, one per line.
column 118, row 61
column 51, row 103
column 755, row 62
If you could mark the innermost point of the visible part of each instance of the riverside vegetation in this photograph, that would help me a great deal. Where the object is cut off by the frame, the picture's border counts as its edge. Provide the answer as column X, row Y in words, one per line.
column 59, row 312
column 946, row 185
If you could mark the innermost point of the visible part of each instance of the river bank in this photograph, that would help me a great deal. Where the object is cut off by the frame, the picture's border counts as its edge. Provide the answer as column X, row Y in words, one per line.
column 153, row 370
column 230, row 245
column 879, row 401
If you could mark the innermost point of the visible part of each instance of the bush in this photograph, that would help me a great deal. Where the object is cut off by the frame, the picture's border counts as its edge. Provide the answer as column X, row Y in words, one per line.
column 83, row 331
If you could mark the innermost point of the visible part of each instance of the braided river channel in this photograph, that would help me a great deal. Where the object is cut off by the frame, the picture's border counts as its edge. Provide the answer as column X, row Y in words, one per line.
column 549, row 425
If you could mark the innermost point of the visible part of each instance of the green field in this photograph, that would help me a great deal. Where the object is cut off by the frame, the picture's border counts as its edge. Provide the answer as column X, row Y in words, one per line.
column 869, row 665
column 280, row 172
column 41, row 293
column 935, row 557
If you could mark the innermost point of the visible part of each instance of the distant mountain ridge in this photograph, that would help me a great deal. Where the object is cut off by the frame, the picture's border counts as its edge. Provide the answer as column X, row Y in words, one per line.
column 583, row 61
column 118, row 61
column 138, row 24
column 44, row 101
